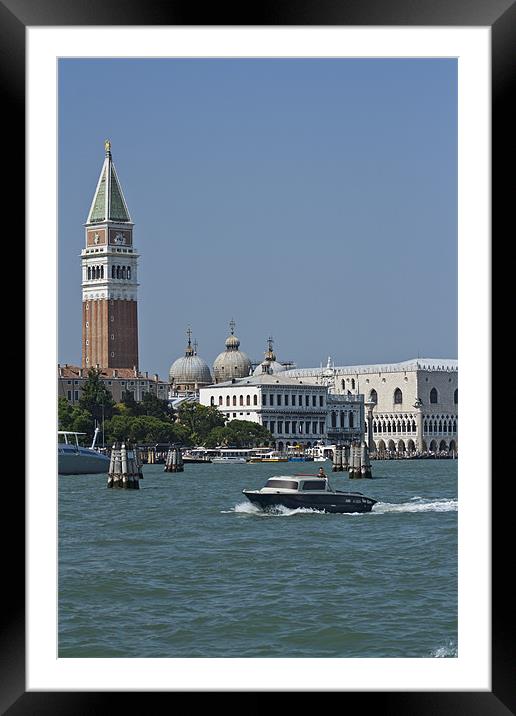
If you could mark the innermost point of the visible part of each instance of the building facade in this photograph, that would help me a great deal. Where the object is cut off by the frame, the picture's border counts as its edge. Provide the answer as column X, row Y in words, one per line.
column 71, row 378
column 295, row 412
column 109, row 278
column 413, row 404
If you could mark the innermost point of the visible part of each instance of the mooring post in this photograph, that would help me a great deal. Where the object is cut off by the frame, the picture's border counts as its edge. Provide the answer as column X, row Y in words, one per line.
column 124, row 468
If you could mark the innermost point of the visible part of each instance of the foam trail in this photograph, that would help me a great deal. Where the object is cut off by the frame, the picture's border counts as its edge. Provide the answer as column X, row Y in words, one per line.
column 448, row 651
column 279, row 511
column 430, row 506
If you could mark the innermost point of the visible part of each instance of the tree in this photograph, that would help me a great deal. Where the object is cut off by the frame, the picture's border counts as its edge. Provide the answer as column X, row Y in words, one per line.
column 143, row 429
column 75, row 419
column 96, row 398
column 244, row 433
column 156, row 407
column 199, row 420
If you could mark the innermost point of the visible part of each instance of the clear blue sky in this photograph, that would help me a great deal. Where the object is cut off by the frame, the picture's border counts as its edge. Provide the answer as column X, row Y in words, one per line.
column 312, row 200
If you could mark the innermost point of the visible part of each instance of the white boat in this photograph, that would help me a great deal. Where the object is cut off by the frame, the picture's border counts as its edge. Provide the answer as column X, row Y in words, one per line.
column 229, row 460
column 73, row 459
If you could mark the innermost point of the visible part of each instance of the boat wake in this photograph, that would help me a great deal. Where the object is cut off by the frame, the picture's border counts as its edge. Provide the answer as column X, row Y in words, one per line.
column 448, row 651
column 279, row 511
column 416, row 505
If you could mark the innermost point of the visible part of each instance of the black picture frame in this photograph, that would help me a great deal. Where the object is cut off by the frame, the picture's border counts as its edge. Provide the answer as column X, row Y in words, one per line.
column 500, row 16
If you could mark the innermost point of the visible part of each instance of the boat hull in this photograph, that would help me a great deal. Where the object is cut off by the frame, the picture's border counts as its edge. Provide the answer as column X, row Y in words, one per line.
column 82, row 463
column 323, row 502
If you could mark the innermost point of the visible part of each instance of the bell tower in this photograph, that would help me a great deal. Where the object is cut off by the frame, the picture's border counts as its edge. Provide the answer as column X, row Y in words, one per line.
column 109, row 277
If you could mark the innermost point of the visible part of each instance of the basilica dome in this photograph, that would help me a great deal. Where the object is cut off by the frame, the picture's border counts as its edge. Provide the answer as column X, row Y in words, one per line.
column 231, row 363
column 270, row 364
column 190, row 371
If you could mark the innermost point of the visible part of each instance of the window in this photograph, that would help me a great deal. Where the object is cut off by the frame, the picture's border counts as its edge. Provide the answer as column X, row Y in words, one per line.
column 76, row 394
column 69, row 395
column 248, row 400
column 352, row 384
column 314, row 485
column 234, row 400
column 264, row 399
column 321, row 401
column 433, row 395
column 272, row 426
column 286, row 400
column 278, row 399
column 456, row 396
column 280, row 426
column 314, row 401
column 294, row 427
column 351, row 420
column 307, row 427
column 271, row 399
column 220, row 399
column 398, row 396
column 333, row 419
column 265, row 424
column 113, row 272
column 255, row 400
column 321, row 427
column 373, row 396
column 293, row 400
column 307, row 400
column 227, row 401
column 314, row 428
column 241, row 400
column 287, row 426
column 283, row 484
column 129, row 272
column 212, row 400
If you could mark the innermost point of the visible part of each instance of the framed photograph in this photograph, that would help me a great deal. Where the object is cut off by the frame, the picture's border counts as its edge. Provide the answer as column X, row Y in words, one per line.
column 454, row 63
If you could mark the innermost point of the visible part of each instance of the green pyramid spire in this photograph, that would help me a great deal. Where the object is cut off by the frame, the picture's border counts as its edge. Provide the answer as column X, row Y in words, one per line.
column 108, row 203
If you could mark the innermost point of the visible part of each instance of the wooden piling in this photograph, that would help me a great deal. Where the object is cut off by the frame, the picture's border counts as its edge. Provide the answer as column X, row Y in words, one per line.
column 337, row 459
column 174, row 460
column 124, row 467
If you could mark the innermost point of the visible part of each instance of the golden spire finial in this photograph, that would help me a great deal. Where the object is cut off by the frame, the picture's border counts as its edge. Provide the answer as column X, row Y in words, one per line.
column 107, row 146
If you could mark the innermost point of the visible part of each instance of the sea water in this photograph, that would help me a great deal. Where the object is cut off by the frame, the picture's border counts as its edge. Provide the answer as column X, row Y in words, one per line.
column 187, row 567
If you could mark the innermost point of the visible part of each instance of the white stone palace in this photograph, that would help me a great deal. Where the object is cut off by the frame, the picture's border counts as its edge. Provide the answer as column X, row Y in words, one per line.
column 414, row 404
column 293, row 410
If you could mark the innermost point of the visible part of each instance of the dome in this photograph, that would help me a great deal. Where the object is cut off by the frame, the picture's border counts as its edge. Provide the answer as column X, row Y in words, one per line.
column 270, row 364
column 190, row 370
column 231, row 363
column 269, row 367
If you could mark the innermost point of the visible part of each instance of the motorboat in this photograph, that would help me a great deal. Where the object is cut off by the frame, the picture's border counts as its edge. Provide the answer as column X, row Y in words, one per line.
column 269, row 457
column 307, row 491
column 73, row 459
column 229, row 460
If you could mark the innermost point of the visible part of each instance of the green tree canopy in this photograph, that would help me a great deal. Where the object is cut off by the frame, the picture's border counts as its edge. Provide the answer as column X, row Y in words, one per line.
column 246, row 434
column 199, row 420
column 96, row 398
column 75, row 419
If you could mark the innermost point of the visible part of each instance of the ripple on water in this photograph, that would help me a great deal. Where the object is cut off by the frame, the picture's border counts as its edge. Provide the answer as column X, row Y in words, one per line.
column 184, row 567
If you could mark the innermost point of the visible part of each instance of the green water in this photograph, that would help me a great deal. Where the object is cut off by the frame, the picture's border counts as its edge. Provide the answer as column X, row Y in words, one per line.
column 187, row 567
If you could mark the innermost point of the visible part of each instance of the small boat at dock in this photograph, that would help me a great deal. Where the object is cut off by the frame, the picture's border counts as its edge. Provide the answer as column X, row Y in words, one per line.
column 74, row 459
